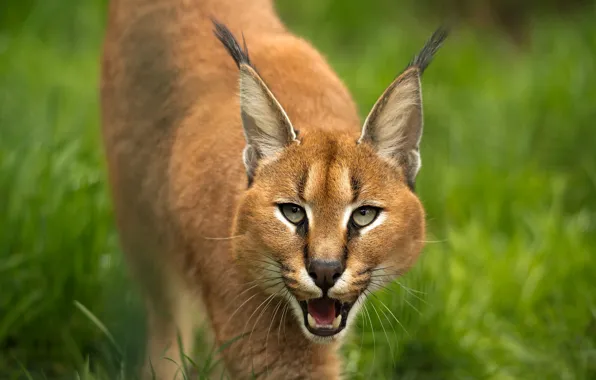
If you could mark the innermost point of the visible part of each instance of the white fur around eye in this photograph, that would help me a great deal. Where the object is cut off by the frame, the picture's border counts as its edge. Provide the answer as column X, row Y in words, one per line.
column 377, row 222
column 347, row 215
column 309, row 216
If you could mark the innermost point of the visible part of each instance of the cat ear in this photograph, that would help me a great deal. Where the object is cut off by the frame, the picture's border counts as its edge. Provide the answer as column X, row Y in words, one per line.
column 394, row 125
column 267, row 128
column 266, row 125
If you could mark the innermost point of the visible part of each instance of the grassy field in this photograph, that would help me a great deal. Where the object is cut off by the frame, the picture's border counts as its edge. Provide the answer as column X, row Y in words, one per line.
column 506, row 289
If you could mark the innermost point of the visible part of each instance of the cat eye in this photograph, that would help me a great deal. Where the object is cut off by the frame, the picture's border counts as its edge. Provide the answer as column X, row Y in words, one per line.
column 365, row 215
column 293, row 213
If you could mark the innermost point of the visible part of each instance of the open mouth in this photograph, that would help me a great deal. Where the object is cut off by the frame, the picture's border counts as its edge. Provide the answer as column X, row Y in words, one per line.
column 325, row 316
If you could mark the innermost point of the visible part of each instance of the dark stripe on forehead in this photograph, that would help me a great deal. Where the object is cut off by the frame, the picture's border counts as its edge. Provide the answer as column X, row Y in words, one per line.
column 301, row 185
column 330, row 159
column 356, row 187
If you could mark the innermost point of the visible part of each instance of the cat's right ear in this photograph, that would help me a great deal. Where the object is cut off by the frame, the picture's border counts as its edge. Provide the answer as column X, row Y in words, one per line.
column 266, row 125
column 394, row 125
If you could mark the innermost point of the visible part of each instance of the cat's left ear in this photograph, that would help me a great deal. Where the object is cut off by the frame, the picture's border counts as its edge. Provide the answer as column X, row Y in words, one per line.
column 266, row 125
column 394, row 125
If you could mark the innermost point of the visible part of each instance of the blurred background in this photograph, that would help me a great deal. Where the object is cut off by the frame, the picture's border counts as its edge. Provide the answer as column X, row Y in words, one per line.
column 506, row 287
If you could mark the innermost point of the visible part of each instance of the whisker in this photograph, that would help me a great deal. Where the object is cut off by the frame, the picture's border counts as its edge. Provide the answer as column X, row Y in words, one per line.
column 270, row 299
column 385, row 332
column 391, row 312
column 243, row 303
column 271, row 324
column 258, row 282
column 381, row 268
column 361, row 300
column 387, row 317
column 248, row 320
column 408, row 289
column 289, row 311
column 260, row 268
column 282, row 322
column 269, row 257
column 268, row 261
column 385, row 288
column 432, row 241
column 372, row 330
column 412, row 306
column 386, row 274
column 257, row 309
column 222, row 238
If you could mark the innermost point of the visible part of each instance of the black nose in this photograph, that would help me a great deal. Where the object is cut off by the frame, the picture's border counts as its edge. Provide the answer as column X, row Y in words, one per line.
column 325, row 273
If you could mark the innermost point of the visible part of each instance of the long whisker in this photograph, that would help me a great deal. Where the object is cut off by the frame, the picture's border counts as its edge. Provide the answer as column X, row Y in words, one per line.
column 412, row 306
column 256, row 310
column 277, row 307
column 267, row 261
column 271, row 324
column 285, row 316
column 412, row 292
column 282, row 320
column 385, row 288
column 257, row 282
column 385, row 332
column 432, row 241
column 381, row 268
column 372, row 330
column 243, row 303
column 385, row 274
column 389, row 310
column 269, row 300
column 269, row 257
column 396, row 274
column 248, row 320
column 387, row 317
column 361, row 300
column 259, row 268
column 222, row 238
column 409, row 291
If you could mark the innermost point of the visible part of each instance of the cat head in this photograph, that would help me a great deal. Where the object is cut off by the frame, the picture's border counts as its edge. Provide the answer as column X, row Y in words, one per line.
column 329, row 217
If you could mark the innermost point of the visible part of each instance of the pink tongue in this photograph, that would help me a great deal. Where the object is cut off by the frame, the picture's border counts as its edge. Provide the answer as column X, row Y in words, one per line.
column 322, row 310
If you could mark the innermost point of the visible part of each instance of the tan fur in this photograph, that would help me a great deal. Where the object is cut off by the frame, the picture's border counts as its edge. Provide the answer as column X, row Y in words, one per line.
column 196, row 239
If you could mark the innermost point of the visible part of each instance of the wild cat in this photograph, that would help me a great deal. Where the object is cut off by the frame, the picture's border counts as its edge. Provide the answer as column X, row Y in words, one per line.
column 247, row 191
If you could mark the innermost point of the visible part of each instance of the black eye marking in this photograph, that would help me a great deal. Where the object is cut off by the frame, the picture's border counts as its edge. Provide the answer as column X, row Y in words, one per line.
column 302, row 228
column 305, row 248
column 352, row 230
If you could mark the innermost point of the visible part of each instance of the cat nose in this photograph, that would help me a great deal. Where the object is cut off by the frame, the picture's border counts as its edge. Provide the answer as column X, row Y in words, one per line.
column 325, row 273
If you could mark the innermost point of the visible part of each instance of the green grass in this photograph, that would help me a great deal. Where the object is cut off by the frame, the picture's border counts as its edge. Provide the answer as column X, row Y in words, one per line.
column 506, row 289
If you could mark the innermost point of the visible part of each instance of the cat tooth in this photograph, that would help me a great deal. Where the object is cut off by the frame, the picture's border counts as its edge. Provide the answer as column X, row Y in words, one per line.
column 336, row 322
column 311, row 321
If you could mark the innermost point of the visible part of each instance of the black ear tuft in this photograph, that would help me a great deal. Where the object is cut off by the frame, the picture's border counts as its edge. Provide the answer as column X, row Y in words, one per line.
column 423, row 59
column 231, row 44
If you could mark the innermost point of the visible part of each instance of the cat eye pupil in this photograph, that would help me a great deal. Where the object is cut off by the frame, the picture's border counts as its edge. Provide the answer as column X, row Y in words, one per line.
column 364, row 216
column 293, row 213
